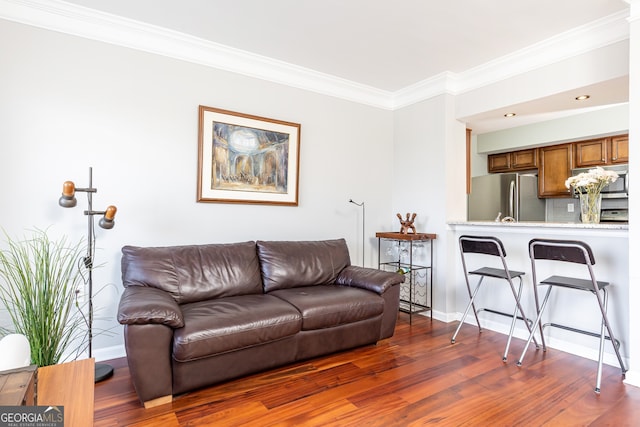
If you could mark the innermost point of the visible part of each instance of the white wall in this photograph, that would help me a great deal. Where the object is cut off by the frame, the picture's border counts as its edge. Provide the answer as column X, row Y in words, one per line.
column 429, row 179
column 68, row 103
column 599, row 65
column 606, row 121
column 633, row 376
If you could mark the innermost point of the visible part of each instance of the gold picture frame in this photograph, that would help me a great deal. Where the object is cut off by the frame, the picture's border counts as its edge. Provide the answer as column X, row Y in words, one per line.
column 247, row 159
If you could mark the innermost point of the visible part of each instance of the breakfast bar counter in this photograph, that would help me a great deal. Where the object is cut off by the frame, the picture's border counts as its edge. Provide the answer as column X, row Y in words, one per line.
column 550, row 225
column 610, row 245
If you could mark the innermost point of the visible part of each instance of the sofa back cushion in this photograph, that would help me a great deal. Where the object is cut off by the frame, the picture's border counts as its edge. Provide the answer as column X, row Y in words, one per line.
column 287, row 265
column 196, row 272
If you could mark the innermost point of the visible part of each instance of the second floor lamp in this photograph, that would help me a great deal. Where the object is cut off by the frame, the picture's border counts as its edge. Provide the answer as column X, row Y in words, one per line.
column 361, row 204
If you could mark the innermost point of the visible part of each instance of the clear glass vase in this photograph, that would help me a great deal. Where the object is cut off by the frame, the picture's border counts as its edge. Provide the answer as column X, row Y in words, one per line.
column 590, row 208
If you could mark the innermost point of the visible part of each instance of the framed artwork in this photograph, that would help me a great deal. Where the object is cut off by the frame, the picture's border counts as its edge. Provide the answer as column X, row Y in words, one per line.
column 247, row 159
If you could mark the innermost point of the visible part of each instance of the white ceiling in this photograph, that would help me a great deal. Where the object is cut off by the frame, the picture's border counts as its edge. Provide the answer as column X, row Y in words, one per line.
column 378, row 46
column 380, row 43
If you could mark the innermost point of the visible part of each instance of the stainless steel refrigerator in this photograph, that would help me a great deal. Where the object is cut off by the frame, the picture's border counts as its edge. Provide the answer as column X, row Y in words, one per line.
column 510, row 194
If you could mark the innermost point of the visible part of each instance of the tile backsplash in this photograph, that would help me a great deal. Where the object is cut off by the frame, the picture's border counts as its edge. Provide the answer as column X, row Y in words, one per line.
column 557, row 210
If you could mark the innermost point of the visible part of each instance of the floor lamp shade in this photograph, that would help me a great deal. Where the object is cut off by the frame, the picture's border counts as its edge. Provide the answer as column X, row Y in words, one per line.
column 68, row 198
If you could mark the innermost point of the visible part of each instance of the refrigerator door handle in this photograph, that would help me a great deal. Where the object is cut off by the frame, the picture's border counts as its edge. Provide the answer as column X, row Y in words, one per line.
column 512, row 197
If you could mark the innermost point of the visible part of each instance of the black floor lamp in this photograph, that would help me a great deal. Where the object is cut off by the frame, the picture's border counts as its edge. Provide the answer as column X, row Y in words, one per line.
column 362, row 206
column 68, row 200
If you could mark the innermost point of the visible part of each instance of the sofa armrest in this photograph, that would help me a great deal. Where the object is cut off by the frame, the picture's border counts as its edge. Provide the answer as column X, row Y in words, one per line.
column 149, row 360
column 142, row 305
column 371, row 279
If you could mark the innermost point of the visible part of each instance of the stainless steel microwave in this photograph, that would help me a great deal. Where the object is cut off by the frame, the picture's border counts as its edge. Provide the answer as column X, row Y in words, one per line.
column 616, row 190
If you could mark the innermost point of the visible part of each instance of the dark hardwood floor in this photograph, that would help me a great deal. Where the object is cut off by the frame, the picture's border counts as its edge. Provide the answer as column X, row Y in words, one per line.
column 417, row 377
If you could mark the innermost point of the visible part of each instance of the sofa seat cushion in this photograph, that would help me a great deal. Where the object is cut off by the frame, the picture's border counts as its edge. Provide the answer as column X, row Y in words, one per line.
column 329, row 305
column 233, row 323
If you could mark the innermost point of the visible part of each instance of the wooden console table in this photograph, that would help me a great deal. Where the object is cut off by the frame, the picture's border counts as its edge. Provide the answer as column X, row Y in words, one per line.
column 410, row 303
column 17, row 386
column 70, row 385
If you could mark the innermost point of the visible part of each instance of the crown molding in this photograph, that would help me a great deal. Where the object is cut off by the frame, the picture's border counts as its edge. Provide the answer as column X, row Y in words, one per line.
column 635, row 9
column 603, row 32
column 88, row 23
column 600, row 33
column 60, row 16
column 443, row 83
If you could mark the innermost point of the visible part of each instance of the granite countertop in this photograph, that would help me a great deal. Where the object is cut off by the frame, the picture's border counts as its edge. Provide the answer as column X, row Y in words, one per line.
column 526, row 224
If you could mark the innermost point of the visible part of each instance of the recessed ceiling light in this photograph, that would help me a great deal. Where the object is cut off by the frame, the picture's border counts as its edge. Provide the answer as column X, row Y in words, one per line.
column 582, row 97
column 510, row 114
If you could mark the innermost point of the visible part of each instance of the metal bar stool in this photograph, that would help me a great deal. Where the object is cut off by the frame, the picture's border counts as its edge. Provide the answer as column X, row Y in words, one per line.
column 580, row 253
column 491, row 246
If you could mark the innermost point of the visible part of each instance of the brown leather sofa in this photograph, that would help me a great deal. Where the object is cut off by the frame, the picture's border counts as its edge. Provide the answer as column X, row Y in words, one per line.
column 201, row 314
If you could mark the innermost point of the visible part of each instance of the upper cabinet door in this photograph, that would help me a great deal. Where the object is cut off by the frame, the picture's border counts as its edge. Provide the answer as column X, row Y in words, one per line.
column 555, row 167
column 513, row 161
column 620, row 149
column 592, row 153
column 524, row 159
column 499, row 162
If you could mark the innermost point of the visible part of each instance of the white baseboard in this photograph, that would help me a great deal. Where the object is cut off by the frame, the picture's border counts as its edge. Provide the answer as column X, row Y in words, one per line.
column 109, row 353
column 521, row 332
column 632, row 378
column 439, row 315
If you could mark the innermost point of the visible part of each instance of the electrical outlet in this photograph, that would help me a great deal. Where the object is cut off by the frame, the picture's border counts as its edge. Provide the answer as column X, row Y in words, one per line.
column 570, row 207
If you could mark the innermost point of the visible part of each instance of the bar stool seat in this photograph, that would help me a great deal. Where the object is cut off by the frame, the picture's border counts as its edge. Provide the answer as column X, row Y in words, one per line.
column 576, row 252
column 490, row 247
column 573, row 283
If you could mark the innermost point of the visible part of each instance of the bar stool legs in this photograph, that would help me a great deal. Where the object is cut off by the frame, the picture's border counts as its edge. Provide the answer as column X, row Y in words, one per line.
column 491, row 246
column 466, row 311
column 513, row 321
column 579, row 253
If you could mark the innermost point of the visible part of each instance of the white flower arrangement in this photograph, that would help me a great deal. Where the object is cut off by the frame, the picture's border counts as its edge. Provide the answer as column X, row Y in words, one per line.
column 589, row 185
column 591, row 182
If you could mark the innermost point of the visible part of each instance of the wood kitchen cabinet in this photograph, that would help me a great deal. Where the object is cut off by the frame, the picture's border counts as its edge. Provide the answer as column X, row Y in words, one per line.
column 554, row 163
column 554, row 167
column 524, row 159
column 513, row 161
column 603, row 151
column 619, row 151
column 590, row 153
column 500, row 162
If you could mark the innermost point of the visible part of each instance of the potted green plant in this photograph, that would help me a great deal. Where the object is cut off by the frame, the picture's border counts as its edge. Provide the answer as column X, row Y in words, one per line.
column 39, row 282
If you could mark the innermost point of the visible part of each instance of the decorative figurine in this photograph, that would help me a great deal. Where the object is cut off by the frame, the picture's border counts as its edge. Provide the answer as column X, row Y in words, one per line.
column 406, row 225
